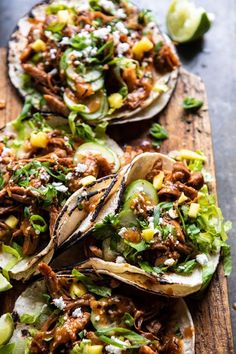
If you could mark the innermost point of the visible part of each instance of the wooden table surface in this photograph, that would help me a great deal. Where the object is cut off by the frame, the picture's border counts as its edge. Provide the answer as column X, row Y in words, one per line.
column 213, row 60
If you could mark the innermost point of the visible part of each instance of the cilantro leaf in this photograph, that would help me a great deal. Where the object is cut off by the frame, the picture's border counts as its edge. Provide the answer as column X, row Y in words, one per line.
column 191, row 103
column 158, row 133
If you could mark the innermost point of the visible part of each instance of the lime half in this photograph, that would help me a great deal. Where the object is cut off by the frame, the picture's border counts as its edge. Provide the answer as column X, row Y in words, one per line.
column 186, row 22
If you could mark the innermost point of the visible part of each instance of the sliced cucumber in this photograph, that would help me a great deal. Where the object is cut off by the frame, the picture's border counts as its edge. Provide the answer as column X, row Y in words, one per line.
column 100, row 318
column 139, row 186
column 97, row 149
column 98, row 84
column 6, row 328
column 4, row 284
column 73, row 106
column 101, row 112
column 92, row 75
column 127, row 218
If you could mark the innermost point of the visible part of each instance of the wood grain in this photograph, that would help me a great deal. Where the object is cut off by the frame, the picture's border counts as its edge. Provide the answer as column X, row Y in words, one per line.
column 193, row 131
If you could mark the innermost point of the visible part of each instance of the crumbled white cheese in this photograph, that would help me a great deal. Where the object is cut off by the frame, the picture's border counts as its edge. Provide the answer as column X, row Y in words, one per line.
column 81, row 168
column 65, row 41
column 112, row 349
column 102, row 32
column 122, row 231
column 120, row 259
column 97, row 318
column 60, row 187
column 77, row 312
column 116, row 37
column 122, row 48
column 108, row 6
column 5, row 151
column 120, row 13
column 59, row 303
column 69, row 175
column 36, row 33
column 173, row 213
column 44, row 176
column 53, row 52
column 169, row 262
column 84, row 194
column 202, row 259
column 121, row 27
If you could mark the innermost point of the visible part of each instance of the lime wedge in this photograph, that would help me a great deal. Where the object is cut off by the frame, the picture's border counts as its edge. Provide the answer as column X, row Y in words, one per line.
column 4, row 284
column 186, row 22
column 6, row 328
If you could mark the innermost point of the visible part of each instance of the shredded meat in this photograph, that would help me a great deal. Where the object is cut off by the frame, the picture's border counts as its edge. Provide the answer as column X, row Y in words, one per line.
column 56, row 105
column 166, row 60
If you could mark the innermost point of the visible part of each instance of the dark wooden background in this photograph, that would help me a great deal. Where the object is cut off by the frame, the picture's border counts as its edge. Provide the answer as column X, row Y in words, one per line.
column 214, row 60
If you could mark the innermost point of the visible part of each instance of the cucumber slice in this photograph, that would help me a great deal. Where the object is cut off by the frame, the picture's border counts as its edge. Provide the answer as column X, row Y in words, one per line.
column 101, row 112
column 92, row 75
column 6, row 328
column 100, row 318
column 4, row 284
column 127, row 218
column 97, row 149
column 140, row 185
column 186, row 22
column 98, row 84
column 73, row 106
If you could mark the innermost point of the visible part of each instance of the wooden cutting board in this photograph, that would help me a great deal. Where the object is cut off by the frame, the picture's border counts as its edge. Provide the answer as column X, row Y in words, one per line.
column 211, row 315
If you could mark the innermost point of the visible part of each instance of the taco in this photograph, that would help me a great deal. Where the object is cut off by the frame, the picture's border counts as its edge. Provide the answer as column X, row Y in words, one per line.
column 161, row 230
column 43, row 165
column 74, row 312
column 101, row 60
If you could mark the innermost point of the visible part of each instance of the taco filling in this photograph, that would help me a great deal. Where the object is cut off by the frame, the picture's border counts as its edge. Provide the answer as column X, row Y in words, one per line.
column 96, row 58
column 167, row 222
column 79, row 313
column 42, row 164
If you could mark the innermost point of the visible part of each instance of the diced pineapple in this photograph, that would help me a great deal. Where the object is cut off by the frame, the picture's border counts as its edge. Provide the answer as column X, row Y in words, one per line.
column 77, row 290
column 193, row 210
column 87, row 180
column 64, row 16
column 94, row 349
column 115, row 100
column 11, row 221
column 158, row 180
column 190, row 155
column 182, row 198
column 142, row 46
column 39, row 140
column 39, row 45
column 147, row 234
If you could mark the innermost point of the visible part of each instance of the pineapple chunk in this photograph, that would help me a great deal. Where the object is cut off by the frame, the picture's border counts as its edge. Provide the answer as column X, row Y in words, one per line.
column 115, row 100
column 39, row 140
column 77, row 290
column 147, row 234
column 94, row 349
column 193, row 210
column 11, row 221
column 38, row 45
column 182, row 198
column 158, row 180
column 139, row 48
column 190, row 155
column 64, row 16
column 87, row 180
